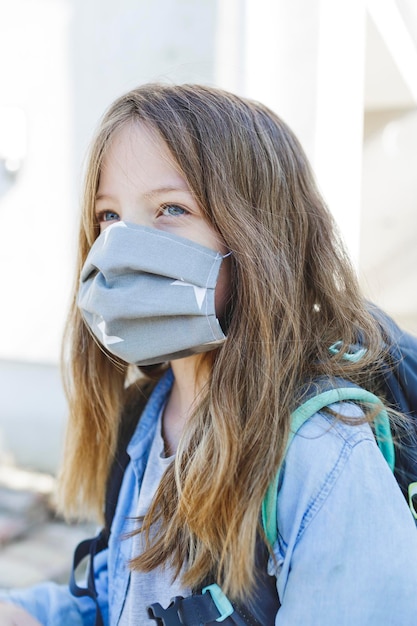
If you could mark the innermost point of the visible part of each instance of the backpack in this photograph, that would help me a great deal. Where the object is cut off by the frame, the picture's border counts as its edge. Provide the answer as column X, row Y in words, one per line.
column 399, row 388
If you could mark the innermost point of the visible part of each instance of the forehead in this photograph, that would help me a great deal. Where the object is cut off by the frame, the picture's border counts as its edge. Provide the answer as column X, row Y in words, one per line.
column 138, row 157
column 137, row 154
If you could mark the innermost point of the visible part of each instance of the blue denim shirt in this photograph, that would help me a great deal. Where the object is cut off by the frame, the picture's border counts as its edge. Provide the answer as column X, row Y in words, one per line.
column 347, row 546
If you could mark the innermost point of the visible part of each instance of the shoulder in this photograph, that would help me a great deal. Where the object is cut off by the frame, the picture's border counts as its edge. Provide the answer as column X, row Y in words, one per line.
column 324, row 439
column 337, row 506
column 323, row 449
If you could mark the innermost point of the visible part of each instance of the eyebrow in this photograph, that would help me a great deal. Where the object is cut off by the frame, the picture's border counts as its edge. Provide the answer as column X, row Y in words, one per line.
column 161, row 190
column 151, row 193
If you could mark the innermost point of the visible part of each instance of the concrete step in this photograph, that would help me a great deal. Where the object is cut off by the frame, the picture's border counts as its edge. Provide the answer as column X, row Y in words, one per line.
column 35, row 545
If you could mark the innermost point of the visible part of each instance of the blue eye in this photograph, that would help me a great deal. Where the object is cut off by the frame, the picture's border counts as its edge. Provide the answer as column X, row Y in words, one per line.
column 173, row 210
column 107, row 216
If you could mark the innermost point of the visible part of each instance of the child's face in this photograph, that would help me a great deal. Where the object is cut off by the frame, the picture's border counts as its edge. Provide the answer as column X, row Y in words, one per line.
column 141, row 184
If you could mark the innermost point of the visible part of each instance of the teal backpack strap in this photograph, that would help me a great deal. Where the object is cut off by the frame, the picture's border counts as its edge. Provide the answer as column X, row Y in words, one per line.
column 302, row 414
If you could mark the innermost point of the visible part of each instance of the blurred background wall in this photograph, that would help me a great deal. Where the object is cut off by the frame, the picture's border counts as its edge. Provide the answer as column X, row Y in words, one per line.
column 342, row 74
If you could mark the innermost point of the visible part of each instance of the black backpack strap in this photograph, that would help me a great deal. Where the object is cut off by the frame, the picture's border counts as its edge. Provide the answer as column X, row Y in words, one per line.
column 88, row 548
column 400, row 370
column 137, row 396
column 208, row 604
column 399, row 386
column 212, row 605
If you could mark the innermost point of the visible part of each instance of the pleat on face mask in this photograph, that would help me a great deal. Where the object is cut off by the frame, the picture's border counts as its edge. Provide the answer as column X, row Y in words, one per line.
column 149, row 296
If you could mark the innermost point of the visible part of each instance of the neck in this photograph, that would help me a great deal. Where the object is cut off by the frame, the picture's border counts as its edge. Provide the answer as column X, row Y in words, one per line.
column 190, row 375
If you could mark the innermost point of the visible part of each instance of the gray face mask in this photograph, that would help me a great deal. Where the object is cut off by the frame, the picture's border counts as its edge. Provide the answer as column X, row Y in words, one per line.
column 148, row 296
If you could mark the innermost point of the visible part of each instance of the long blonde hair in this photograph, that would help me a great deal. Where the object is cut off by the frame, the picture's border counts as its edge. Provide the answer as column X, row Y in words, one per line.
column 293, row 294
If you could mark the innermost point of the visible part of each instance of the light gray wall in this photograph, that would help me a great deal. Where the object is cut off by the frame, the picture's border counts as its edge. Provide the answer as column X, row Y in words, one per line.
column 115, row 46
column 388, row 253
column 33, row 412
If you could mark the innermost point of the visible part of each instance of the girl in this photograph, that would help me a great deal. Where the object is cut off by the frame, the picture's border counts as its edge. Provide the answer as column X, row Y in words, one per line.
column 208, row 259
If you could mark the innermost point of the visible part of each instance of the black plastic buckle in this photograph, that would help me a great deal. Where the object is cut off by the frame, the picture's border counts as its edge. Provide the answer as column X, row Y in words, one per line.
column 168, row 616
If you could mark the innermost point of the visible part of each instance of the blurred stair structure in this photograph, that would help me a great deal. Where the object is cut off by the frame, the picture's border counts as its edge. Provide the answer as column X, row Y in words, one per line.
column 35, row 545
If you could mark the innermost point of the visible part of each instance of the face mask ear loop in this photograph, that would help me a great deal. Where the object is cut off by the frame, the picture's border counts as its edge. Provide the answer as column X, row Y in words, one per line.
column 226, row 255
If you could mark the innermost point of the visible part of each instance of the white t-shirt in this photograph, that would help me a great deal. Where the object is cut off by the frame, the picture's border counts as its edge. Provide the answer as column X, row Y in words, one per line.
column 157, row 585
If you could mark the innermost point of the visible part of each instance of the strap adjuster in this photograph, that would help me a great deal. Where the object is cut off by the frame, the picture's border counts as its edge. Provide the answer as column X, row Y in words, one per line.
column 204, row 608
column 412, row 499
column 222, row 602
